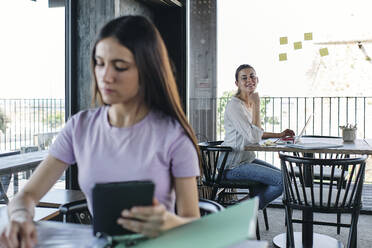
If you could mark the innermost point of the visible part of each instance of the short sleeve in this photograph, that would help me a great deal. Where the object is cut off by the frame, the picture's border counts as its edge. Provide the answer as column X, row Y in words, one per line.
column 184, row 158
column 62, row 147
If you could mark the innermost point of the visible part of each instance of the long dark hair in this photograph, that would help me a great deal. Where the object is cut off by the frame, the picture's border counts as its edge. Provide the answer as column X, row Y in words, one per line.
column 156, row 79
column 241, row 67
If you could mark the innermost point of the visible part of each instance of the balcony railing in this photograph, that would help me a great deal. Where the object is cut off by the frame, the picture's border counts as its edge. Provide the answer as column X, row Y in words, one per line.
column 27, row 122
column 278, row 113
column 30, row 122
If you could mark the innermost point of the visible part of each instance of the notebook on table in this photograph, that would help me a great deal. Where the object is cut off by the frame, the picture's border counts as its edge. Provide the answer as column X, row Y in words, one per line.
column 314, row 145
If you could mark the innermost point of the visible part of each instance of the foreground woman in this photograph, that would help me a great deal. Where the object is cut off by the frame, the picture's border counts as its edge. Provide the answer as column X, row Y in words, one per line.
column 138, row 133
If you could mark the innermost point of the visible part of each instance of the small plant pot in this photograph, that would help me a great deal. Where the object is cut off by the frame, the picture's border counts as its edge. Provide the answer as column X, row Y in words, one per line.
column 349, row 135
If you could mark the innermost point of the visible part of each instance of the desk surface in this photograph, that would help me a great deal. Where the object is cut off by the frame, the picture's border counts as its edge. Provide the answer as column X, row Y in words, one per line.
column 360, row 146
column 21, row 162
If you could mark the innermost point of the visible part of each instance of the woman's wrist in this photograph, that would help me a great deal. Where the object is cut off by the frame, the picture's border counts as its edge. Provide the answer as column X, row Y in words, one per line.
column 172, row 220
column 20, row 214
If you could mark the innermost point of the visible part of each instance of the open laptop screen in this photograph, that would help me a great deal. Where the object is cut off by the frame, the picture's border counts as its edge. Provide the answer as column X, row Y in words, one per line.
column 298, row 138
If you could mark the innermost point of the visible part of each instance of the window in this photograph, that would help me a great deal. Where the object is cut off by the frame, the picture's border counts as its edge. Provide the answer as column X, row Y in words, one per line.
column 32, row 95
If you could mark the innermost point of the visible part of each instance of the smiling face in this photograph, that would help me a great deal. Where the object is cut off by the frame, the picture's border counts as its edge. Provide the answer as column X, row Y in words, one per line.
column 247, row 81
column 116, row 73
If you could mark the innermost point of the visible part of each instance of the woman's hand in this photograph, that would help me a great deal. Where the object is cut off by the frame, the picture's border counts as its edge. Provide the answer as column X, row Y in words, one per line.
column 286, row 133
column 151, row 220
column 20, row 232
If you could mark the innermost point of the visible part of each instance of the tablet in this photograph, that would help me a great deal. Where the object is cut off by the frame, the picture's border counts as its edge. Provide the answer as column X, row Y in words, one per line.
column 109, row 200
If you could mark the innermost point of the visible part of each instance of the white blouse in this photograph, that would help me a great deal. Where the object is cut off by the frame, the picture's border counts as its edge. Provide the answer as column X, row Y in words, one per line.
column 239, row 132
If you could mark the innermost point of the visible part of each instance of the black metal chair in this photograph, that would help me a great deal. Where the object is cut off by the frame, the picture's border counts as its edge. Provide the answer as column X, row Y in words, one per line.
column 338, row 176
column 5, row 179
column 77, row 212
column 300, row 191
column 209, row 207
column 212, row 176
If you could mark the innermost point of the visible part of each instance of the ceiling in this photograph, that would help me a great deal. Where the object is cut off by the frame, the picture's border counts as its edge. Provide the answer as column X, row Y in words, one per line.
column 165, row 3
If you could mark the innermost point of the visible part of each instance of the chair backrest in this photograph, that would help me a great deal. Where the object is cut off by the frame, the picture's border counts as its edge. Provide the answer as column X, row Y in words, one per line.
column 209, row 207
column 302, row 192
column 211, row 153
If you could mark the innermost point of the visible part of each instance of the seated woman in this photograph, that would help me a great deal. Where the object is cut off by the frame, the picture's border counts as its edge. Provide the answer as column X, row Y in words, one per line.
column 139, row 132
column 243, row 127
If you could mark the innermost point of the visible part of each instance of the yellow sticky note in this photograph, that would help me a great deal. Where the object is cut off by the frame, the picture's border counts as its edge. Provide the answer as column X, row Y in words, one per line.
column 297, row 45
column 283, row 40
column 282, row 56
column 308, row 36
column 323, row 51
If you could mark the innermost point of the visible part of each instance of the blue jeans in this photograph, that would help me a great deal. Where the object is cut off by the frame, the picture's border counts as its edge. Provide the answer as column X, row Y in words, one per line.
column 262, row 172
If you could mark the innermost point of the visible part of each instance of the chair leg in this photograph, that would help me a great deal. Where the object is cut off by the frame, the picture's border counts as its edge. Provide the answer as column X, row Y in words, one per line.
column 258, row 231
column 352, row 240
column 285, row 217
column 265, row 218
column 289, row 235
column 338, row 223
column 214, row 193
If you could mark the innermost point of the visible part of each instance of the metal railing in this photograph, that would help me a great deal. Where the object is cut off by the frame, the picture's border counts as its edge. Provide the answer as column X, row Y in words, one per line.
column 278, row 113
column 30, row 122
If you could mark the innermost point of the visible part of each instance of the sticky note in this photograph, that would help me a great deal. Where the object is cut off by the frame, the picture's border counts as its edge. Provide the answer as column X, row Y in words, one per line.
column 282, row 56
column 297, row 45
column 308, row 36
column 283, row 40
column 323, row 51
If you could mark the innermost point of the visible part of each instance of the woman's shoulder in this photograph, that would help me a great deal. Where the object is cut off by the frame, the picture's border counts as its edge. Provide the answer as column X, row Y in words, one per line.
column 88, row 114
column 164, row 121
column 234, row 103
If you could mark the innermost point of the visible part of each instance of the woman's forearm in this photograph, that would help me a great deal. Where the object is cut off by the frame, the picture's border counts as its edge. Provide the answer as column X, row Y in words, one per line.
column 267, row 135
column 256, row 119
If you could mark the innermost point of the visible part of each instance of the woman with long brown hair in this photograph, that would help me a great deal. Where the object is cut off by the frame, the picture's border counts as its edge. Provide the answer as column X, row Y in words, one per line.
column 139, row 132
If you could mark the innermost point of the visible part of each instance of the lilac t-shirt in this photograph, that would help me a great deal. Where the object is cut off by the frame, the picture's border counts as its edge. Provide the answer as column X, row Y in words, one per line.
column 156, row 148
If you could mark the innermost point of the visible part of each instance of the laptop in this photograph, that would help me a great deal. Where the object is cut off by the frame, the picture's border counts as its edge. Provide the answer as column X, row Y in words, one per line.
column 310, row 145
column 298, row 138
